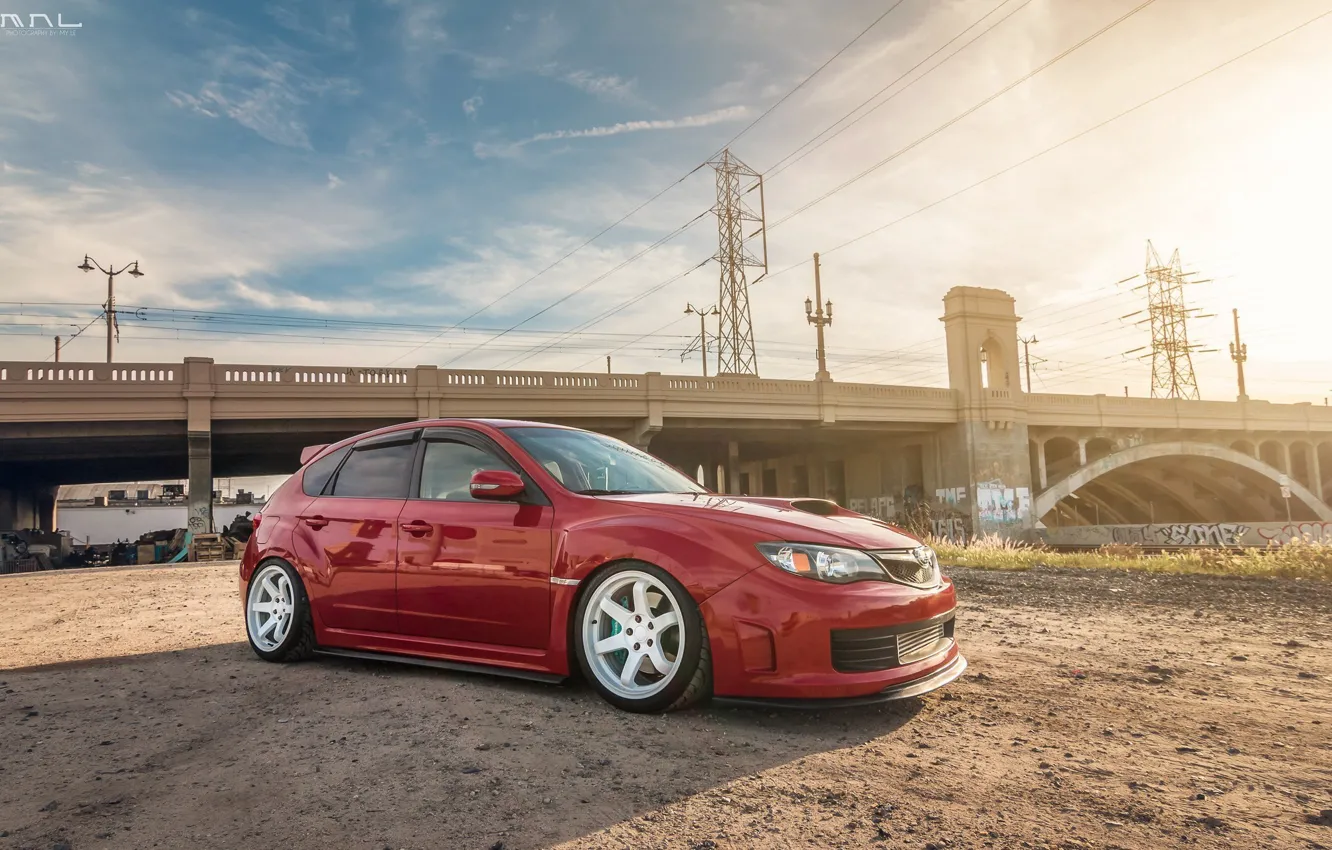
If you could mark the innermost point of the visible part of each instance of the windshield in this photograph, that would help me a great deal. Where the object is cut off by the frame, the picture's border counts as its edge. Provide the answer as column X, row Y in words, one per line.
column 599, row 465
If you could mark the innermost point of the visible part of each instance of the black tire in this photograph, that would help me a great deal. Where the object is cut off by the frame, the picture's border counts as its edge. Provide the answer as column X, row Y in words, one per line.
column 692, row 681
column 299, row 644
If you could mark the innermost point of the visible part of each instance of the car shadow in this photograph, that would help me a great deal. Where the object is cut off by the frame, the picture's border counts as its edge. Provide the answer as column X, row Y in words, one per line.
column 170, row 747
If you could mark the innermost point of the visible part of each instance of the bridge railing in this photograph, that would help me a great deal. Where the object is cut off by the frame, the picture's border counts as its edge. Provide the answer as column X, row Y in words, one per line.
column 57, row 374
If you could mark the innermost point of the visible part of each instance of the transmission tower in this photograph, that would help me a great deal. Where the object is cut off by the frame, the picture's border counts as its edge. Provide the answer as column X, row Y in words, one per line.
column 1172, row 353
column 735, row 341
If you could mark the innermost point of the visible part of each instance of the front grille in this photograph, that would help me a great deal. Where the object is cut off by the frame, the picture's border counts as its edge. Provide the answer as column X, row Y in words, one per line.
column 867, row 650
column 916, row 567
column 913, row 646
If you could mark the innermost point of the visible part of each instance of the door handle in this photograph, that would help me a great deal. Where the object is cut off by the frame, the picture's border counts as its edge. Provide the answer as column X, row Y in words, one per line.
column 314, row 521
column 417, row 528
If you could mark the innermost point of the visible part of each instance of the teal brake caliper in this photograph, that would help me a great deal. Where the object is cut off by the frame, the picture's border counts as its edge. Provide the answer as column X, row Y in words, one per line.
column 621, row 656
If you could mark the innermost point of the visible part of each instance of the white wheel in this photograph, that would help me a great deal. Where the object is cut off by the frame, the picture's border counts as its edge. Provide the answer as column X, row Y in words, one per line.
column 632, row 634
column 270, row 608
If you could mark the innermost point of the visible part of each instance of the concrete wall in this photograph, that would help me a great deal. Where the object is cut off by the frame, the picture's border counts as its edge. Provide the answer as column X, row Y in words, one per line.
column 1191, row 534
column 109, row 524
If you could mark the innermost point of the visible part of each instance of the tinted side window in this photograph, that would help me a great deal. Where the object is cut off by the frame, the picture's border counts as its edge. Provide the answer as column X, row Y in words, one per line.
column 317, row 475
column 446, row 471
column 379, row 472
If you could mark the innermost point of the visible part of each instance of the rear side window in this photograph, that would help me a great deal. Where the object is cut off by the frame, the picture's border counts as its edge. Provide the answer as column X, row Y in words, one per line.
column 377, row 472
column 318, row 473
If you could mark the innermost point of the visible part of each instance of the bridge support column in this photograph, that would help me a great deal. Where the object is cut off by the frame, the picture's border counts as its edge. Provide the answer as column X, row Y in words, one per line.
column 1082, row 452
column 1316, row 472
column 733, row 468
column 199, row 442
column 28, row 506
column 986, row 457
column 1040, row 464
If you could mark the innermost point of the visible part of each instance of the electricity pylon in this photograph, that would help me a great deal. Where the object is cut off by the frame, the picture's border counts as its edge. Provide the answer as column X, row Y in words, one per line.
column 735, row 340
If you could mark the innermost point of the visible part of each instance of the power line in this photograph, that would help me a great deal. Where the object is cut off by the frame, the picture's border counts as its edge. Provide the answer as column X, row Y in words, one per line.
column 981, row 104
column 811, row 76
column 557, row 302
column 796, row 155
column 636, row 209
column 529, row 280
column 1057, row 145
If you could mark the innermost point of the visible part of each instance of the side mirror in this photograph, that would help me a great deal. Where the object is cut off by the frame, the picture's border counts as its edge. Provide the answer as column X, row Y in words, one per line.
column 496, row 484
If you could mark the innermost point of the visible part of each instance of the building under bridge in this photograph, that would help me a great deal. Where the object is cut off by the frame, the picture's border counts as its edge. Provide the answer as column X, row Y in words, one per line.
column 982, row 454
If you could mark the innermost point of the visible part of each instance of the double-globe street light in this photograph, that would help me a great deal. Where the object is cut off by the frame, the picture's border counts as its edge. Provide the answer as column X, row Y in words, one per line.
column 133, row 268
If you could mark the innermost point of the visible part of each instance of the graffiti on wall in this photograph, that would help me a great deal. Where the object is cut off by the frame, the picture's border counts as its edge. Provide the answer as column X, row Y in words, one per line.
column 1311, row 532
column 1201, row 534
column 1193, row 534
column 951, row 529
column 950, row 496
column 879, row 507
column 1000, row 505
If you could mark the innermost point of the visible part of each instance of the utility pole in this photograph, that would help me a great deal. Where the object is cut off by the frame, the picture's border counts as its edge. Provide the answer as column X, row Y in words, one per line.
column 111, row 324
column 816, row 316
column 703, row 314
column 1239, row 352
column 57, row 351
column 1026, row 357
column 608, row 371
column 735, row 338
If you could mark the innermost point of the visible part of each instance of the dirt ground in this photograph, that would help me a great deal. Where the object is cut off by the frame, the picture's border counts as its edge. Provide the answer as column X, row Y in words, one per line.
column 1101, row 710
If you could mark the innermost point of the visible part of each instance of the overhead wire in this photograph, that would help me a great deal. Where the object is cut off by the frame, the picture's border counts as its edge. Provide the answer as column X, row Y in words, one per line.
column 814, row 144
column 1068, row 140
column 962, row 115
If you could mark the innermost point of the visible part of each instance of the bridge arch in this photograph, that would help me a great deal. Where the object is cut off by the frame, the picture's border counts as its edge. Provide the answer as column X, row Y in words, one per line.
column 1051, row 496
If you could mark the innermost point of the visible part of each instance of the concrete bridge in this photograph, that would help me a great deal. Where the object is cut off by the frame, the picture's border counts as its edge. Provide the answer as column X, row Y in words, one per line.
column 984, row 455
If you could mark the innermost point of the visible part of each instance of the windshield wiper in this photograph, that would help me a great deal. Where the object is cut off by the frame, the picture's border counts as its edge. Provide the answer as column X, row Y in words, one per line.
column 595, row 492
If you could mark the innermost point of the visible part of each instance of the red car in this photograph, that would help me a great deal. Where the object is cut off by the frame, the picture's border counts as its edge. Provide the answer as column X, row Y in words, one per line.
column 529, row 549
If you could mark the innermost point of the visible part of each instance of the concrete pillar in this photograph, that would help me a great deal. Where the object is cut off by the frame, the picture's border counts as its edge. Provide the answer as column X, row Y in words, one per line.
column 987, row 453
column 1040, row 464
column 1082, row 452
column 1285, row 459
column 733, row 468
column 198, row 392
column 1315, row 472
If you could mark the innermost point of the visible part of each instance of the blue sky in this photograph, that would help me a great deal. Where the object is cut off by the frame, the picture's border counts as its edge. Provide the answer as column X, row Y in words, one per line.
column 409, row 162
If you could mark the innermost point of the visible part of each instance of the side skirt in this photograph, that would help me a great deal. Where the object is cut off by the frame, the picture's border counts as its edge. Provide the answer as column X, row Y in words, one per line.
column 529, row 675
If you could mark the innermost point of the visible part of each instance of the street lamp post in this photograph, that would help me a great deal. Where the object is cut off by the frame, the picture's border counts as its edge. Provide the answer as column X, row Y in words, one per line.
column 816, row 315
column 133, row 269
column 703, row 314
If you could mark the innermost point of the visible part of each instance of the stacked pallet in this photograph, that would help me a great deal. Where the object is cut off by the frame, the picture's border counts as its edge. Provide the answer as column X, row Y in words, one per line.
column 211, row 547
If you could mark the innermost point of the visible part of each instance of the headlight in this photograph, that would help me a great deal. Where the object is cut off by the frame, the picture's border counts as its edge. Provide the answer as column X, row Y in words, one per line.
column 827, row 563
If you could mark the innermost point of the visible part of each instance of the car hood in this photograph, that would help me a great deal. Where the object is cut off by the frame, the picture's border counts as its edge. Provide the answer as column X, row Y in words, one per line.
column 780, row 519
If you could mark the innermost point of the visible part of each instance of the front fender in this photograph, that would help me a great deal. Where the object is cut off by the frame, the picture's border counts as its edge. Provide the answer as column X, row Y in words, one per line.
column 704, row 557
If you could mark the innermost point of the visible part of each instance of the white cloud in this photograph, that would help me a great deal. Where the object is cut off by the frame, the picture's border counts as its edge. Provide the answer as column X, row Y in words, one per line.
column 471, row 105
column 334, row 181
column 706, row 119
column 485, row 150
column 261, row 93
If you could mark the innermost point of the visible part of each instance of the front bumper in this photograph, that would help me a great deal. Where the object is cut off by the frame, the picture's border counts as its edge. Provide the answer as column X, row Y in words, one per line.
column 773, row 635
column 948, row 673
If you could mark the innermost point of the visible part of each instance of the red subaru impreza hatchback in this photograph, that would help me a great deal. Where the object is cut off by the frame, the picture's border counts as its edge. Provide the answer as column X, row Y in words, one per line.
column 527, row 549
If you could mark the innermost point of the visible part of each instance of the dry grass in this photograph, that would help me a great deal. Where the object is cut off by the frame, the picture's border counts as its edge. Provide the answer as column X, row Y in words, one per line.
column 1298, row 559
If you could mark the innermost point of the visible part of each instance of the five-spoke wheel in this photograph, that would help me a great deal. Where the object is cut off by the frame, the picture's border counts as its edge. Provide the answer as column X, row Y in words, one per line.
column 641, row 641
column 277, row 614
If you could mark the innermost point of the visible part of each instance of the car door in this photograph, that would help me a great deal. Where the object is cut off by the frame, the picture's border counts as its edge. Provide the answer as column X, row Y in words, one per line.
column 470, row 569
column 349, row 534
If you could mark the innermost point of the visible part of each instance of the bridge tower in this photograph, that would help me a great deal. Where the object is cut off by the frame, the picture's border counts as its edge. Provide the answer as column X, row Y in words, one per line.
column 985, row 469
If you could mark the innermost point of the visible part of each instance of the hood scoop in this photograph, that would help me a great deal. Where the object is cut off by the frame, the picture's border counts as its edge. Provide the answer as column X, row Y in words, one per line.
column 818, row 507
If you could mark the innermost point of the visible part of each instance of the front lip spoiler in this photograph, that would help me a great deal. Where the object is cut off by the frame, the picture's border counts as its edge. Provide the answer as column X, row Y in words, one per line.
column 914, row 688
